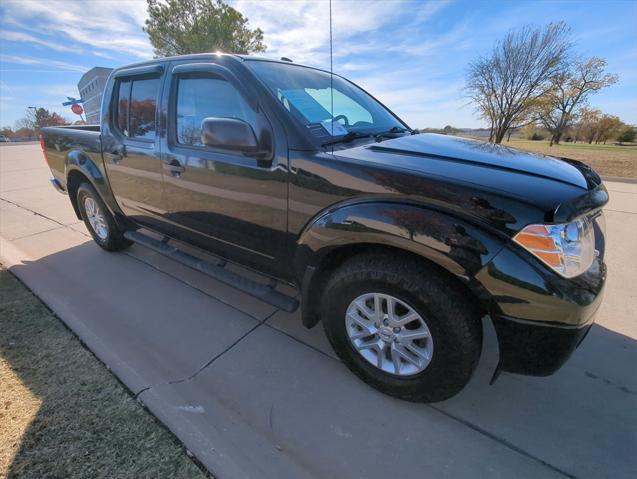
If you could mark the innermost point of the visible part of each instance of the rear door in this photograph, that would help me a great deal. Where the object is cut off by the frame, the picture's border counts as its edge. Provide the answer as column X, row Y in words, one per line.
column 131, row 147
column 228, row 202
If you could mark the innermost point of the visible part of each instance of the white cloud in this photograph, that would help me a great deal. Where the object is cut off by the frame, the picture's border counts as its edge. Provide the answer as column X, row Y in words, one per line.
column 105, row 25
column 300, row 29
column 24, row 60
column 12, row 36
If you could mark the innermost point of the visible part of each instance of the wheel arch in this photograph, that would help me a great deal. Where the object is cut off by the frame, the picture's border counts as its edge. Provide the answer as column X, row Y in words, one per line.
column 80, row 168
column 73, row 181
column 453, row 246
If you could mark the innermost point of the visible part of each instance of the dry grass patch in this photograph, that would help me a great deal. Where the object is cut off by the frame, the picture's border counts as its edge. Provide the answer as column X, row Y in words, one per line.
column 607, row 160
column 62, row 413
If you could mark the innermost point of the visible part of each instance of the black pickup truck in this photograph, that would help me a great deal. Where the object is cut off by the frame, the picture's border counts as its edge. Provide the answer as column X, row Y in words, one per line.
column 400, row 243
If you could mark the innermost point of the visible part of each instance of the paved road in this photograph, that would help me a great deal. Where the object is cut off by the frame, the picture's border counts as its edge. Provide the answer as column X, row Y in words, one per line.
column 253, row 394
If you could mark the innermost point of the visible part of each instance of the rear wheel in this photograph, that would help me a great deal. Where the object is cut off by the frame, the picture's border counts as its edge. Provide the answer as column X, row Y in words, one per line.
column 99, row 221
column 403, row 327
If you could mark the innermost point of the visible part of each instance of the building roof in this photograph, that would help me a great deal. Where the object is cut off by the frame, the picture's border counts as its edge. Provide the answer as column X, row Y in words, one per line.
column 92, row 73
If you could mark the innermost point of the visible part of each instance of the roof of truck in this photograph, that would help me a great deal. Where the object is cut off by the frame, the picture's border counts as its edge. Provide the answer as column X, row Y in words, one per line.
column 200, row 56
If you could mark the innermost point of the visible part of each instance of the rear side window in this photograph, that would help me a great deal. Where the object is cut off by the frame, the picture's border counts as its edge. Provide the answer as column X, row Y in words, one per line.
column 200, row 96
column 137, row 106
column 143, row 104
column 123, row 97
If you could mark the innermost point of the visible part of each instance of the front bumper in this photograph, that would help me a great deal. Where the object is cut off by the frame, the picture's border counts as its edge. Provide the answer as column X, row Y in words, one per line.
column 535, row 350
column 539, row 317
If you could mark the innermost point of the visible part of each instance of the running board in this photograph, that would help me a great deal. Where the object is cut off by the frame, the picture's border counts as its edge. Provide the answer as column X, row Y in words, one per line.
column 260, row 291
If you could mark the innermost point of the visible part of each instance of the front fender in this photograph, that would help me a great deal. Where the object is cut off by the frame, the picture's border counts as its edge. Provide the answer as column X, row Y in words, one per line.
column 453, row 243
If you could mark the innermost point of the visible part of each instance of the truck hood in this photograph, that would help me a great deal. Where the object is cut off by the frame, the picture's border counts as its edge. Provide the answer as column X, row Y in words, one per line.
column 469, row 160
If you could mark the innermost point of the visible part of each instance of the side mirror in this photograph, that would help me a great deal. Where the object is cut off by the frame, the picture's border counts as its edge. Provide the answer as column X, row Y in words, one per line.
column 229, row 134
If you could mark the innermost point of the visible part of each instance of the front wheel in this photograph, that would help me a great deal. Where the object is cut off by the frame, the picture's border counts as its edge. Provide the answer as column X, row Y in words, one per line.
column 98, row 220
column 403, row 327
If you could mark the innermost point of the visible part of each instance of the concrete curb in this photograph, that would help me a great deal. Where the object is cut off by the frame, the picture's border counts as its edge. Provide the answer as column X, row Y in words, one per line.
column 620, row 179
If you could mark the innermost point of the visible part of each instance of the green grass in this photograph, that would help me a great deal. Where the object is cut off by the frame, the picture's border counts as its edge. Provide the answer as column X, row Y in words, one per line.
column 62, row 413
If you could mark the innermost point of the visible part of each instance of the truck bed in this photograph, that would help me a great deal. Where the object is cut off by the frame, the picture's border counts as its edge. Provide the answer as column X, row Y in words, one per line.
column 60, row 142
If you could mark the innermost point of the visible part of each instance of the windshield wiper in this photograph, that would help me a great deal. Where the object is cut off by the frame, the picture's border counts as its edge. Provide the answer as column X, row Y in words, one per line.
column 389, row 133
column 349, row 136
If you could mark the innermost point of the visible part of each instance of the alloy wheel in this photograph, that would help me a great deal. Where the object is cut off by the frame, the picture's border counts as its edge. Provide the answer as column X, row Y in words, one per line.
column 389, row 334
column 96, row 218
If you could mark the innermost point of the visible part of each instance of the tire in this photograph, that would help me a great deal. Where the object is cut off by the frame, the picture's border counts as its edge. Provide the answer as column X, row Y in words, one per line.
column 99, row 221
column 452, row 324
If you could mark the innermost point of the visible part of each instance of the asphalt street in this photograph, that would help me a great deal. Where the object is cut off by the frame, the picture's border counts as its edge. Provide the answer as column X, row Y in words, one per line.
column 253, row 394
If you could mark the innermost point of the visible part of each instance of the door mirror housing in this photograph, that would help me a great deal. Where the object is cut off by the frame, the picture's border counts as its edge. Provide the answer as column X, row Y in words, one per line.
column 229, row 134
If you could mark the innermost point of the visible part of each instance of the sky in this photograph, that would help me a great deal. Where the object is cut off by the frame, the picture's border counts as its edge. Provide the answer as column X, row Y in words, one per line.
column 411, row 55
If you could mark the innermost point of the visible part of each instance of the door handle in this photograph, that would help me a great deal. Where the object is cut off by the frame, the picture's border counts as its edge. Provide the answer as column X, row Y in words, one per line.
column 174, row 168
column 117, row 155
column 115, row 158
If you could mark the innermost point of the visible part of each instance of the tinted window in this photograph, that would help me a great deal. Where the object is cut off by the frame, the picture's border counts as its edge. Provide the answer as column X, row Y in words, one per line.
column 343, row 104
column 122, row 106
column 200, row 97
column 143, row 103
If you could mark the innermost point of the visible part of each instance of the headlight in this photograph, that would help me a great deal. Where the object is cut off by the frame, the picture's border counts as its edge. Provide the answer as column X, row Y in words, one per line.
column 568, row 248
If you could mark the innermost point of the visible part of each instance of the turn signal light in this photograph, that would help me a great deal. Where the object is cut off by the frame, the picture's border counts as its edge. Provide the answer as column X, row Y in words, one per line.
column 569, row 249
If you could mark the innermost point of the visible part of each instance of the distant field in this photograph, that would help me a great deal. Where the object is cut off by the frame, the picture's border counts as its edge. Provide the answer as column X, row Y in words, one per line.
column 607, row 160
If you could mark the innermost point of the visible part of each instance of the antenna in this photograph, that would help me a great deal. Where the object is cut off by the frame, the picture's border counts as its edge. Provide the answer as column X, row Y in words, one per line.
column 331, row 76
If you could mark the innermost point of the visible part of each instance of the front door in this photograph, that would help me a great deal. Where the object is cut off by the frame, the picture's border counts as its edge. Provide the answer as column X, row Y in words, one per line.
column 131, row 152
column 229, row 203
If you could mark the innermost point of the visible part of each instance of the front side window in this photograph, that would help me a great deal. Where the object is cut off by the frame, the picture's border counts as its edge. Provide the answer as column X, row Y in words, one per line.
column 201, row 96
column 327, row 106
column 137, row 106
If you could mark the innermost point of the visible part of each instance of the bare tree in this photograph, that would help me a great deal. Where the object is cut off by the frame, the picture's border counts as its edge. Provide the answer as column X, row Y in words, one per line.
column 569, row 90
column 24, row 123
column 36, row 118
column 507, row 85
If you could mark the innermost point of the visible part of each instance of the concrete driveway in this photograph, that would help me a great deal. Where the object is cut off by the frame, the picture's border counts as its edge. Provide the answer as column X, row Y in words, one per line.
column 253, row 394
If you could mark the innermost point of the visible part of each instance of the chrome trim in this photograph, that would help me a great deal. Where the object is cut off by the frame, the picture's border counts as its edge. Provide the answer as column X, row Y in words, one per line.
column 57, row 185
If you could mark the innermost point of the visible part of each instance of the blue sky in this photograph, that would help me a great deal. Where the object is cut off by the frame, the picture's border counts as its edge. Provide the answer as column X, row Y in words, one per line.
column 412, row 55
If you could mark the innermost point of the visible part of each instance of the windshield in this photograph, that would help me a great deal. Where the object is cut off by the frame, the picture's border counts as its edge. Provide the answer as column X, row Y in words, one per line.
column 308, row 95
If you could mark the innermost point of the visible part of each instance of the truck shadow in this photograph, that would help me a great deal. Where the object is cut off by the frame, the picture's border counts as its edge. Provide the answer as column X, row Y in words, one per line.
column 581, row 419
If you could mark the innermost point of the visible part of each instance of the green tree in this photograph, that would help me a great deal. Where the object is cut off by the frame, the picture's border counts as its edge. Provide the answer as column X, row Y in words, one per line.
column 179, row 27
column 627, row 135
column 533, row 131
